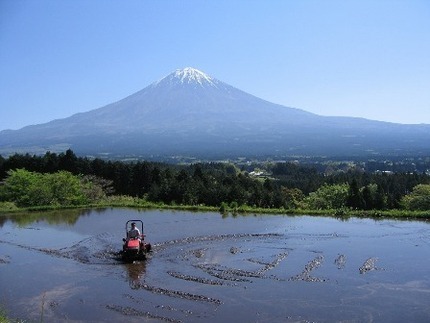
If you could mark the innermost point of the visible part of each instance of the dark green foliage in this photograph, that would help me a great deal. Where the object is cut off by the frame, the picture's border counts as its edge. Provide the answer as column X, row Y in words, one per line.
column 355, row 198
column 286, row 185
column 418, row 199
column 328, row 197
column 26, row 188
column 307, row 179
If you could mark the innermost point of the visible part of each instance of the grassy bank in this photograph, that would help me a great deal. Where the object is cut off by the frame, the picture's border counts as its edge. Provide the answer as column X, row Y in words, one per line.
column 125, row 201
column 3, row 316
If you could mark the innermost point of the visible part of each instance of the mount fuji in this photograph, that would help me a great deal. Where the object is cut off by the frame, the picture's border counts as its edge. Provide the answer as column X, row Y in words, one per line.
column 190, row 113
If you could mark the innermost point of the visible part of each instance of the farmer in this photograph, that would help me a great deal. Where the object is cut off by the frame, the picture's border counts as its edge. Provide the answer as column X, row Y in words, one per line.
column 134, row 232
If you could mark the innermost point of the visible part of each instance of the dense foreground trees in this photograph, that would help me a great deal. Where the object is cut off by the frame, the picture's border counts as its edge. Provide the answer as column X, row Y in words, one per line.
column 25, row 188
column 66, row 179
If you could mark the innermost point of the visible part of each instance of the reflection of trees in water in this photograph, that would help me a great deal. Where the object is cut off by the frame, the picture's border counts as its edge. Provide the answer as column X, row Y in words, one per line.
column 3, row 220
column 51, row 217
column 135, row 271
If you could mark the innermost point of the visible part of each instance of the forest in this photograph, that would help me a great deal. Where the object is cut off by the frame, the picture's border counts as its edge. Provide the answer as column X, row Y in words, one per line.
column 65, row 179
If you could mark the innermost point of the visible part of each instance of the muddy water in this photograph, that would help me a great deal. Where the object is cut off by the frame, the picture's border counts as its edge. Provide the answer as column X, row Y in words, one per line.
column 64, row 267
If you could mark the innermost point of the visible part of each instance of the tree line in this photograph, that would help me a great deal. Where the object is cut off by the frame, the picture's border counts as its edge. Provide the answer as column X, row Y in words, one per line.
column 66, row 179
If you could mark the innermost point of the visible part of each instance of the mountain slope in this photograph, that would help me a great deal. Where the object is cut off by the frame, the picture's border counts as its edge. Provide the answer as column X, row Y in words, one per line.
column 189, row 112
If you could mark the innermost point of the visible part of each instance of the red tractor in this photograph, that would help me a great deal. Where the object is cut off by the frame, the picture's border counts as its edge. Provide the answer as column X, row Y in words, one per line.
column 135, row 247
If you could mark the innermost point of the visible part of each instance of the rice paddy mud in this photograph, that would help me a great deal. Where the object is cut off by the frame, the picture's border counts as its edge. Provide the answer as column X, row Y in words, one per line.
column 297, row 270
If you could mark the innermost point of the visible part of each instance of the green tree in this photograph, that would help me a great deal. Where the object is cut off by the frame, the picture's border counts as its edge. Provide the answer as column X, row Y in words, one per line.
column 418, row 199
column 328, row 197
column 66, row 188
column 25, row 188
column 96, row 188
column 373, row 197
column 68, row 161
column 2, row 169
column 18, row 187
column 355, row 197
column 293, row 197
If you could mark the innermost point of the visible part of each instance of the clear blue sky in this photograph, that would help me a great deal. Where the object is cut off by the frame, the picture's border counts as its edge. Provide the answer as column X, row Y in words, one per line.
column 363, row 58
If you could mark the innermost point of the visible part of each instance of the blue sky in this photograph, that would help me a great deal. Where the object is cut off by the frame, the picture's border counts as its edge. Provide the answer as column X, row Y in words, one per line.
column 363, row 58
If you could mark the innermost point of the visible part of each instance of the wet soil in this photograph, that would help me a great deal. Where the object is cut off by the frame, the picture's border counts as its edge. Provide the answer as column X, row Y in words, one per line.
column 205, row 268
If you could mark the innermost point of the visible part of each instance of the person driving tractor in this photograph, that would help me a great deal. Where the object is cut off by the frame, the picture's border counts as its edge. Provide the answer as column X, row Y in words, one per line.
column 134, row 247
column 134, row 232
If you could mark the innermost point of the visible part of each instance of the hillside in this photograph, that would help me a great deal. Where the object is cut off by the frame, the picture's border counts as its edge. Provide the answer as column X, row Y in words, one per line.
column 190, row 113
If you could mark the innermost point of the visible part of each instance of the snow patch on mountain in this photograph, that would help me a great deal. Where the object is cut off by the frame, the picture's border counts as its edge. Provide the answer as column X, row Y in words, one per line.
column 189, row 75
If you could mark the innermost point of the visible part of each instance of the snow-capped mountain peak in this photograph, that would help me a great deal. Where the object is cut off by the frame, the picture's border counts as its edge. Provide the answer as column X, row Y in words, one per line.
column 189, row 75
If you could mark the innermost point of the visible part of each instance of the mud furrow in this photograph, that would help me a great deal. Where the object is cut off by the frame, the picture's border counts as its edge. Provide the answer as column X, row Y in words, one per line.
column 187, row 240
column 368, row 265
column 195, row 279
column 130, row 311
column 305, row 275
column 177, row 293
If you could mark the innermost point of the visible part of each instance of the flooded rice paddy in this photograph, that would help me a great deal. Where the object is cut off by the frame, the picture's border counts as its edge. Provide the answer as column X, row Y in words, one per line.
column 65, row 267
